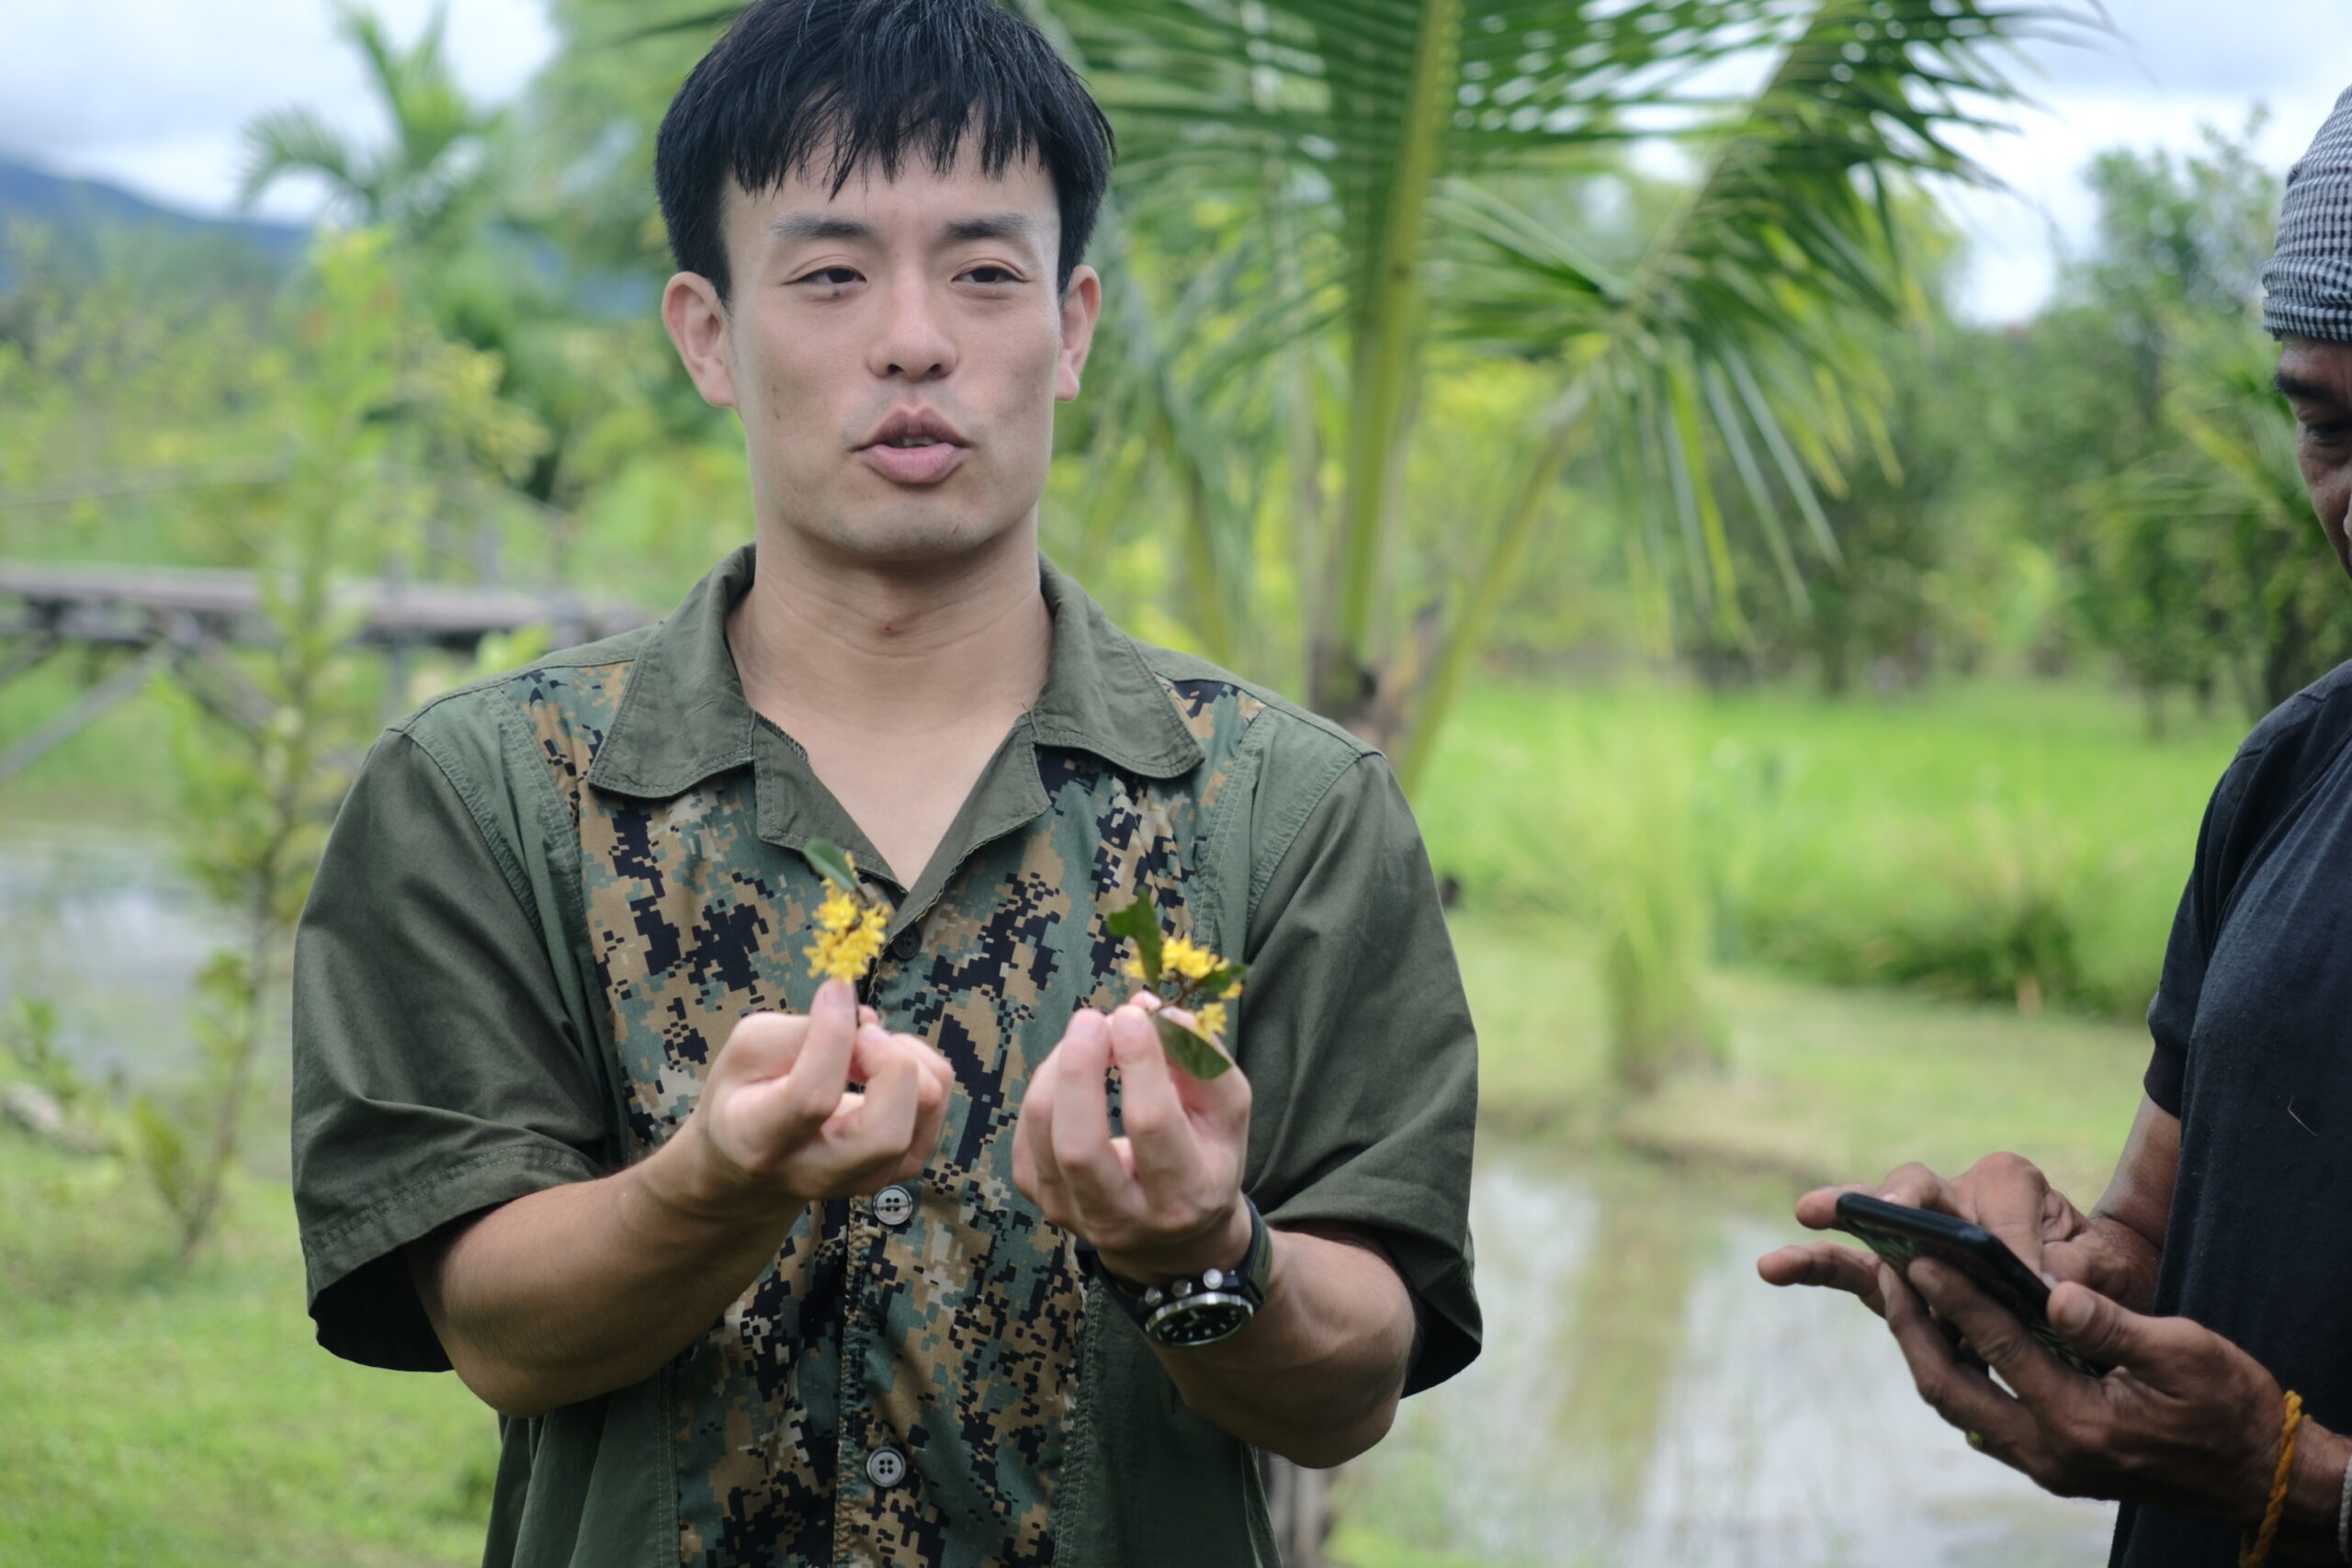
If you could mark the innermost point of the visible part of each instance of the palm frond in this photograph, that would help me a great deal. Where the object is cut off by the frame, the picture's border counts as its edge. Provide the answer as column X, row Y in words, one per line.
column 295, row 140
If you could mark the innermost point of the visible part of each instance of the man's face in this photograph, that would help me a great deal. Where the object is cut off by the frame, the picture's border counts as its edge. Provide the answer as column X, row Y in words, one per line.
column 894, row 350
column 2316, row 376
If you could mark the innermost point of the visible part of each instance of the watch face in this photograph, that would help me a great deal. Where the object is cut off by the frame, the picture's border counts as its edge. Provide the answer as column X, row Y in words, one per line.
column 1200, row 1319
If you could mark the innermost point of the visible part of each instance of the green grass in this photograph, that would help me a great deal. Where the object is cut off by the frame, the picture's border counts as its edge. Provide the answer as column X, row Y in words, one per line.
column 1990, row 840
column 161, row 1419
column 1819, row 1085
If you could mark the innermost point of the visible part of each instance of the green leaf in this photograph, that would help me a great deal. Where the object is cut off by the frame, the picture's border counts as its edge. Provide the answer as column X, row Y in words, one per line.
column 1195, row 1053
column 1139, row 923
column 832, row 862
column 1218, row 982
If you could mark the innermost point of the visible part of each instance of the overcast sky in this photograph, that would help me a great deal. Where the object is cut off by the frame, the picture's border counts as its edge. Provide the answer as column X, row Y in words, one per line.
column 150, row 93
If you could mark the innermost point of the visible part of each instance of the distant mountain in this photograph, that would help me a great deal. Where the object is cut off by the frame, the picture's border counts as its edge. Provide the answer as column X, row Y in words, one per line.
column 80, row 208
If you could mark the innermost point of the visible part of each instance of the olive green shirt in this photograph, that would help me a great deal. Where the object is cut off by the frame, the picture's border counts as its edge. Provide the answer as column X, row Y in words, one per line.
column 550, row 896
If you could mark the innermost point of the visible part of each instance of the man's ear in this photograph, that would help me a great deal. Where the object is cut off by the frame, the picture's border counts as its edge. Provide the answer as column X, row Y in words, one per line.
column 698, row 324
column 1081, row 307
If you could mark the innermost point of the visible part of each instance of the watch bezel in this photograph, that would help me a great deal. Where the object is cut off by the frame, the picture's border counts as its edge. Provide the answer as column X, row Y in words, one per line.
column 1227, row 1313
column 1184, row 1313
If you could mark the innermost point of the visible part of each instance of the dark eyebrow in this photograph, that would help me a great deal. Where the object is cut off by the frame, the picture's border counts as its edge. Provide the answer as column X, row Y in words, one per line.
column 2298, row 389
column 819, row 226
column 995, row 226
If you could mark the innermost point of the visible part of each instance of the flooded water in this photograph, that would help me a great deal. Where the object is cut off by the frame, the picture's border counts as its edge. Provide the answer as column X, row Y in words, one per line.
column 103, row 924
column 1643, row 1398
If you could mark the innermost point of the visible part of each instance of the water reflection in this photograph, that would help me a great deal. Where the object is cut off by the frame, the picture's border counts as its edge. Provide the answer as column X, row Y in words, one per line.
column 103, row 924
column 1643, row 1398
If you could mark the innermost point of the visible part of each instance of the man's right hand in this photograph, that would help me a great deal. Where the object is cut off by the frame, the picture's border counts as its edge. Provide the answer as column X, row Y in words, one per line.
column 2008, row 1195
column 590, row 1286
column 780, row 1126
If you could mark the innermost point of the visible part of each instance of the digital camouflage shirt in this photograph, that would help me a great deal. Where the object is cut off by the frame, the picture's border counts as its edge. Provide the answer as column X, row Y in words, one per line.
column 550, row 898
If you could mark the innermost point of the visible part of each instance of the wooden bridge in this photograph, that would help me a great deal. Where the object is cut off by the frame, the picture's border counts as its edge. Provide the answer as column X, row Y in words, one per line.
column 185, row 619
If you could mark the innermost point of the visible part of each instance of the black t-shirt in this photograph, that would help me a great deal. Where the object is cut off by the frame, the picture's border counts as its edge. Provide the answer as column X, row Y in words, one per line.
column 2251, row 1022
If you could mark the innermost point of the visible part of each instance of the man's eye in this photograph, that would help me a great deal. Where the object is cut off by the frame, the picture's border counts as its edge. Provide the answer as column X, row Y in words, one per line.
column 990, row 276
column 2327, row 432
column 830, row 277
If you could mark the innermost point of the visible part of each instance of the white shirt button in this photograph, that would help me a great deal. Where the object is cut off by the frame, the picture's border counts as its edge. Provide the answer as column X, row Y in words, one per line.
column 886, row 1467
column 894, row 1205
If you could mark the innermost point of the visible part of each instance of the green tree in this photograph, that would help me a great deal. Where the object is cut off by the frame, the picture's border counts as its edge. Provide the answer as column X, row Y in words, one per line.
column 1389, row 179
column 2201, row 561
column 423, row 181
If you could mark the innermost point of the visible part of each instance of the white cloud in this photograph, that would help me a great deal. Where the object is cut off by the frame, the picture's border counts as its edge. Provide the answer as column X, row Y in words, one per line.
column 151, row 94
column 2181, row 65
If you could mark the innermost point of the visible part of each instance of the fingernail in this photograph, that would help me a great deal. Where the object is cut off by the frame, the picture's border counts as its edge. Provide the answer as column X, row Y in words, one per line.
column 2073, row 1313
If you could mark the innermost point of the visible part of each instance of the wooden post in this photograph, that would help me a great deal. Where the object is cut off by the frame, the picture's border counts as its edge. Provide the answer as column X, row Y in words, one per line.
column 1300, row 1501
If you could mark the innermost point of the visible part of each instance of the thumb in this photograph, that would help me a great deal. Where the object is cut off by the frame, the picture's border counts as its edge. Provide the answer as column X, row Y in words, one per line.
column 2102, row 1330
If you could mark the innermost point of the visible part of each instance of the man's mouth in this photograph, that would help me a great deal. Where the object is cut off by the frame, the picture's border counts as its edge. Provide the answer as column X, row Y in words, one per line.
column 914, row 447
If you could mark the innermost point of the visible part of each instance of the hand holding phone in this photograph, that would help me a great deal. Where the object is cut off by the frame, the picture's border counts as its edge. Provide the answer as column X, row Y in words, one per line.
column 1899, row 1234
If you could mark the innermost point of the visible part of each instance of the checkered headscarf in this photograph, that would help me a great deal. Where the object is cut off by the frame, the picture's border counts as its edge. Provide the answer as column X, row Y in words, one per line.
column 2307, row 287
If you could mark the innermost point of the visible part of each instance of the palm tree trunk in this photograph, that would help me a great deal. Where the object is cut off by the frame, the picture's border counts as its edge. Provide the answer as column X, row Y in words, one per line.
column 1385, row 352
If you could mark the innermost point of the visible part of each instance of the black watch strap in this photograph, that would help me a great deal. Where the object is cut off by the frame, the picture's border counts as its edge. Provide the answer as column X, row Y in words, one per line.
column 1199, row 1310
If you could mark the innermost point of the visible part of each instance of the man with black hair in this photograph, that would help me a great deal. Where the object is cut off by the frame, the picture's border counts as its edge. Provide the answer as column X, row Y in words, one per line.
column 956, row 1267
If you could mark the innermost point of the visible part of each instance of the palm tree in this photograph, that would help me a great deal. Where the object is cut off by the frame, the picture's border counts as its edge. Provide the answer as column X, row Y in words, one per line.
column 1319, row 200
column 1410, row 167
column 421, row 179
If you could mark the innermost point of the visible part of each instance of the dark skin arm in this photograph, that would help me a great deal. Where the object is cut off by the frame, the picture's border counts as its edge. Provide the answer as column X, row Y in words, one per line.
column 2186, row 1420
column 2114, row 1250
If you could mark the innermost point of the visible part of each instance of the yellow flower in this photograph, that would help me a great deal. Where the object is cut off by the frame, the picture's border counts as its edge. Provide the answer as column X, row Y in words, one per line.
column 849, row 933
column 1211, row 1018
column 1182, row 955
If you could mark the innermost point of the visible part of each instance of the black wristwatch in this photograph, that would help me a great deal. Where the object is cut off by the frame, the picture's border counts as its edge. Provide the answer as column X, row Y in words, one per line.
column 1194, row 1312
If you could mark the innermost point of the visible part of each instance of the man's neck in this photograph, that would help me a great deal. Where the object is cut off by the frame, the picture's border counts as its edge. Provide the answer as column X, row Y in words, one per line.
column 832, row 644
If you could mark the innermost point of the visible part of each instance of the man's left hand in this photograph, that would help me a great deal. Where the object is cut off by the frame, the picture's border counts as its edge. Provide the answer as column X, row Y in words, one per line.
column 1162, row 1201
column 2186, row 1419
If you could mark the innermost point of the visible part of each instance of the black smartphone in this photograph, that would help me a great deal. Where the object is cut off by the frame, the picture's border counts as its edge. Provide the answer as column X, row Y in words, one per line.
column 1899, row 1234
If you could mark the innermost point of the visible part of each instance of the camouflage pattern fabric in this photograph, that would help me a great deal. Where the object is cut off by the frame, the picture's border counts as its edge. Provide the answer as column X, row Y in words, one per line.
column 952, row 1338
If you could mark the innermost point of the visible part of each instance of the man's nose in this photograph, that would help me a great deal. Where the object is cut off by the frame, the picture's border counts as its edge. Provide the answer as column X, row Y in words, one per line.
column 913, row 343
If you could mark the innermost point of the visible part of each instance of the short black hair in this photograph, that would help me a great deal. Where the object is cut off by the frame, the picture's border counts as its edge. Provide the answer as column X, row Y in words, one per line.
column 885, row 80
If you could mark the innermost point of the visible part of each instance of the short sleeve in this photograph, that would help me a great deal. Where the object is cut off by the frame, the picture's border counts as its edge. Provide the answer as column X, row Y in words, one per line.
column 436, row 1072
column 2172, row 1015
column 1362, row 1062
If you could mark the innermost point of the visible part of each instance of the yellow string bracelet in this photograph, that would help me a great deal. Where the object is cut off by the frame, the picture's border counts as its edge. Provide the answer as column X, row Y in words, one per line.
column 2255, row 1551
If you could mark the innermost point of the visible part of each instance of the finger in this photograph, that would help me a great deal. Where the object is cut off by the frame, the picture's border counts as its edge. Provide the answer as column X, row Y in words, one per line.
column 1166, row 1155
column 1998, row 1337
column 886, row 1123
column 866, row 1015
column 830, row 1043
column 2006, row 1194
column 1034, row 1171
column 1817, row 1210
column 2111, row 1335
column 1964, row 1396
column 1917, row 1187
column 931, row 1105
column 762, row 1045
column 1081, row 1136
column 1825, row 1265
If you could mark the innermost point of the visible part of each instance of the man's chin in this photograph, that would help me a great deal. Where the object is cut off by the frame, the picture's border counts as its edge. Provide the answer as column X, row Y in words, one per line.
column 912, row 536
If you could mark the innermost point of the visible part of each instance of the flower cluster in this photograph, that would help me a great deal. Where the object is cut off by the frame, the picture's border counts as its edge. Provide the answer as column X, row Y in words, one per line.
column 1182, row 974
column 849, row 930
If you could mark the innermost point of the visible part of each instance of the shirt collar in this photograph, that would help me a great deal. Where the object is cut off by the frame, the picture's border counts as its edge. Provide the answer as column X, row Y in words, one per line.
column 684, row 717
